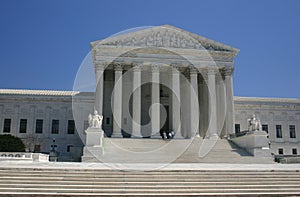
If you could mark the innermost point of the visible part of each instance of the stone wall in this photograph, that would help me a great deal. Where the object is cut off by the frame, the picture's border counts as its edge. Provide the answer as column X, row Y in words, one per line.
column 49, row 105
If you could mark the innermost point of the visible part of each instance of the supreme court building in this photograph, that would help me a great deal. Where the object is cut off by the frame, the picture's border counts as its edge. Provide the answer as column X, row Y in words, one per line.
column 142, row 74
column 156, row 79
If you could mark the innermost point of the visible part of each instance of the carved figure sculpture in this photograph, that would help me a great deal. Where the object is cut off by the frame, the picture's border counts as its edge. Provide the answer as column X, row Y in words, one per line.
column 254, row 124
column 95, row 120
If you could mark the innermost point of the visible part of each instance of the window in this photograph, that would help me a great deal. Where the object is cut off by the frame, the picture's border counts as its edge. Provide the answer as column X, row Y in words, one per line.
column 23, row 125
column 265, row 128
column 280, row 151
column 71, row 127
column 237, row 128
column 55, row 126
column 85, row 125
column 294, row 151
column 7, row 124
column 292, row 131
column 69, row 148
column 278, row 131
column 39, row 126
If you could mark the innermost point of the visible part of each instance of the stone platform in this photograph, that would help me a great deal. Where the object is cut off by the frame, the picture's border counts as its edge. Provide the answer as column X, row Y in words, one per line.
column 196, row 150
column 98, row 179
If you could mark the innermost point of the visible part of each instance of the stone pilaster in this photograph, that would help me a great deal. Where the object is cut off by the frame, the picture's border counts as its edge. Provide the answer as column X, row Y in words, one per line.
column 48, row 121
column 64, row 122
column 31, row 122
column 15, row 123
column 1, row 118
column 117, row 101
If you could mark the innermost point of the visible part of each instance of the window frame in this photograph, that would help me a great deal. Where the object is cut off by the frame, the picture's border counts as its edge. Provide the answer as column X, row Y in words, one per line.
column 55, row 126
column 292, row 131
column 7, row 125
column 23, row 125
column 278, row 131
column 39, row 124
column 71, row 129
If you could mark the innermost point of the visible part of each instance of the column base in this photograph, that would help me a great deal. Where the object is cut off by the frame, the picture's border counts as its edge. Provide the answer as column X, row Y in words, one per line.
column 117, row 135
column 212, row 136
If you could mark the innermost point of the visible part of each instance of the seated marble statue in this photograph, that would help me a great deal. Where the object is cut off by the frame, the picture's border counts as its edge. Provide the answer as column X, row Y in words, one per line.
column 254, row 124
column 95, row 120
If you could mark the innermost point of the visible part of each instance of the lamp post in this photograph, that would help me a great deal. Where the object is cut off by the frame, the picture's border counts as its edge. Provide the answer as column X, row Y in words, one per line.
column 53, row 154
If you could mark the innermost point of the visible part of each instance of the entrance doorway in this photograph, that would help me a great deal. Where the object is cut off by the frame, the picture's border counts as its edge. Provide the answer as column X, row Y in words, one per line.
column 165, row 126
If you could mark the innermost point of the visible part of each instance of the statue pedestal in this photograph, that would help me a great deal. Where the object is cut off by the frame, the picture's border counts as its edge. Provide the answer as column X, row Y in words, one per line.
column 93, row 144
column 255, row 142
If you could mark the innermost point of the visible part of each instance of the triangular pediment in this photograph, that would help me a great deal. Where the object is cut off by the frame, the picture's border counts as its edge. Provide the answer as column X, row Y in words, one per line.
column 166, row 36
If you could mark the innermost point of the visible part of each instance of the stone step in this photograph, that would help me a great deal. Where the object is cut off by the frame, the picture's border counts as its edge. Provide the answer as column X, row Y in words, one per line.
column 141, row 176
column 147, row 185
column 148, row 179
column 126, row 191
column 118, row 150
column 143, row 185
column 187, row 183
column 61, row 181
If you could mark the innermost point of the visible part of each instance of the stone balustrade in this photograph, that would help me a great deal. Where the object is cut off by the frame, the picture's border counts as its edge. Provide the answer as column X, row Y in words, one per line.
column 23, row 156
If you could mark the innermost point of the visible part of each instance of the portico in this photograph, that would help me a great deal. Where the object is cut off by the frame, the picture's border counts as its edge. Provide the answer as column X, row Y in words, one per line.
column 142, row 74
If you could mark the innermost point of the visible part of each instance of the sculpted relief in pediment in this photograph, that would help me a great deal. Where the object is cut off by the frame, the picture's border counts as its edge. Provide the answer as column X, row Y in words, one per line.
column 161, row 37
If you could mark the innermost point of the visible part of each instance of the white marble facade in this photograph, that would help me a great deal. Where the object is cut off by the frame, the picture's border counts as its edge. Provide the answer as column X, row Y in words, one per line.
column 49, row 105
column 189, row 75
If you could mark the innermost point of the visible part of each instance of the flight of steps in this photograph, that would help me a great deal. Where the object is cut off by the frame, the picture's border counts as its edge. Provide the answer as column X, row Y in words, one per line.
column 122, row 150
column 102, row 182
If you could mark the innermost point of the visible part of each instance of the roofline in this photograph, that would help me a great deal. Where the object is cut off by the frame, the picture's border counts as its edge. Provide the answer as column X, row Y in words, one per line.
column 38, row 92
column 73, row 93
column 194, row 35
column 267, row 99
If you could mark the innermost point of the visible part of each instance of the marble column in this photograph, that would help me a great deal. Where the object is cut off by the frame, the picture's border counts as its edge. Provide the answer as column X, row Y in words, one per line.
column 117, row 101
column 185, row 103
column 212, row 127
column 194, row 117
column 155, row 100
column 136, row 100
column 176, row 115
column 229, row 102
column 99, row 68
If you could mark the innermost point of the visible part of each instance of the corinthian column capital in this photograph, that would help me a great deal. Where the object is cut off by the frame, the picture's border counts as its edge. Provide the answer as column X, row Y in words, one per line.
column 118, row 67
column 228, row 71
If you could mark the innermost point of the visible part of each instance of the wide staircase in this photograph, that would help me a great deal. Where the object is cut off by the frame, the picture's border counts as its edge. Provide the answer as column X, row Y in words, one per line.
column 196, row 150
column 103, row 182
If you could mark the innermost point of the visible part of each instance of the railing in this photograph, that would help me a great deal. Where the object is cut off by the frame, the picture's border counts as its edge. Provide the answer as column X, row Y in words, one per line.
column 23, row 156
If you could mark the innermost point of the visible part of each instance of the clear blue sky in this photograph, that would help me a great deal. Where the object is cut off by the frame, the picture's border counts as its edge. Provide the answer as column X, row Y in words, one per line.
column 43, row 43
